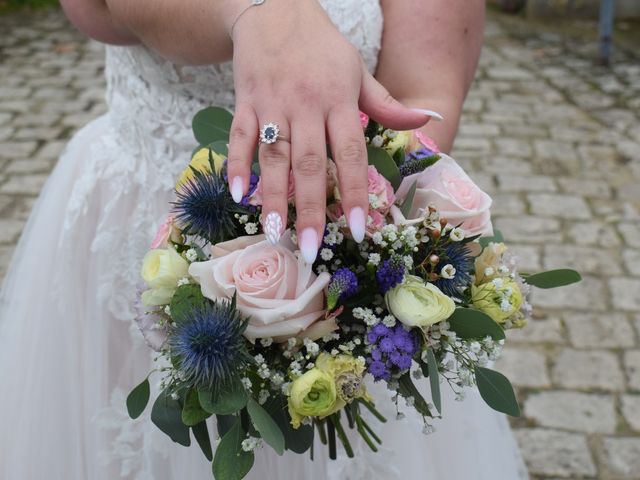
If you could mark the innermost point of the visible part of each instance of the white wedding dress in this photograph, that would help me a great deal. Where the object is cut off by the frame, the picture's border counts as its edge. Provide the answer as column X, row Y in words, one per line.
column 69, row 350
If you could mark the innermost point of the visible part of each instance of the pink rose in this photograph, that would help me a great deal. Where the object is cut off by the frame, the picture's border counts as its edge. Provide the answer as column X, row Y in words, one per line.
column 380, row 191
column 422, row 140
column 375, row 219
column 166, row 231
column 279, row 293
column 256, row 197
column 364, row 120
column 458, row 200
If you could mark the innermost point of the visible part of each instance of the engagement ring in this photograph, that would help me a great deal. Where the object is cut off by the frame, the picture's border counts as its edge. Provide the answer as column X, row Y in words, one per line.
column 270, row 133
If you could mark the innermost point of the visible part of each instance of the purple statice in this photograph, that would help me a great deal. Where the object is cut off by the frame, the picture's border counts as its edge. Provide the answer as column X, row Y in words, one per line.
column 343, row 284
column 390, row 273
column 392, row 352
column 417, row 161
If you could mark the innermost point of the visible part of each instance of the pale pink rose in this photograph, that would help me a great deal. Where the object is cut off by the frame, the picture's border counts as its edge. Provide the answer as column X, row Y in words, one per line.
column 446, row 186
column 364, row 120
column 279, row 293
column 375, row 222
column 425, row 141
column 380, row 191
column 256, row 197
column 163, row 234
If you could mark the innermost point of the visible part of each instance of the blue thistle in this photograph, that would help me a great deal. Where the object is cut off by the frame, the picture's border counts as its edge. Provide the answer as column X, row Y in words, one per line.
column 390, row 273
column 458, row 255
column 344, row 284
column 416, row 162
column 207, row 345
column 205, row 208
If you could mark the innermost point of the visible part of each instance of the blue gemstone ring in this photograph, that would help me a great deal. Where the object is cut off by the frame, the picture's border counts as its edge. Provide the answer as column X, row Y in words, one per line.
column 270, row 133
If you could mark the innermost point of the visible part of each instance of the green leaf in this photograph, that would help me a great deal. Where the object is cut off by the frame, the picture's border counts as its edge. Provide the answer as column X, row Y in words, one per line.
column 230, row 461
column 228, row 401
column 186, row 298
column 408, row 201
column 496, row 238
column 192, row 412
column 497, row 392
column 385, row 165
column 268, row 428
column 434, row 380
column 298, row 440
column 553, row 278
column 138, row 399
column 407, row 388
column 224, row 423
column 166, row 414
column 469, row 323
column 212, row 124
column 219, row 147
column 201, row 432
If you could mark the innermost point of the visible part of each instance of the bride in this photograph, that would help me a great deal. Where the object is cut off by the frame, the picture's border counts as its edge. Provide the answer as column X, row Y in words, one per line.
column 68, row 346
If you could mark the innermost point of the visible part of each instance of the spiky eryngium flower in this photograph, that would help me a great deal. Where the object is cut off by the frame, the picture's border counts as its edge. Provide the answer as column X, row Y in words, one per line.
column 207, row 345
column 205, row 208
column 417, row 161
column 458, row 255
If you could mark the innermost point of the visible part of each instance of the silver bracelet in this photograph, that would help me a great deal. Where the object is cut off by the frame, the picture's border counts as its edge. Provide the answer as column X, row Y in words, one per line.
column 253, row 3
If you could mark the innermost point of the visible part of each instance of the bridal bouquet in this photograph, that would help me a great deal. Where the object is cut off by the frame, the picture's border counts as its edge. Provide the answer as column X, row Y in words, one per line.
column 280, row 350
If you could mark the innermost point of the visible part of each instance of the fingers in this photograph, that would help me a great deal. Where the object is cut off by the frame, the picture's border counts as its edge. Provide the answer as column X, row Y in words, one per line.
column 242, row 143
column 350, row 154
column 309, row 165
column 378, row 103
column 275, row 164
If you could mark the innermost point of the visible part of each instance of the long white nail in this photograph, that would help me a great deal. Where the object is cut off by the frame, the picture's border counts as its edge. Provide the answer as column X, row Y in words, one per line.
column 429, row 113
column 236, row 189
column 272, row 227
column 357, row 223
column 308, row 241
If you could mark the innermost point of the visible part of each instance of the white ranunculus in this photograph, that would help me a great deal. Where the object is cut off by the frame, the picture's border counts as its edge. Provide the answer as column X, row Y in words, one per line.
column 161, row 270
column 418, row 304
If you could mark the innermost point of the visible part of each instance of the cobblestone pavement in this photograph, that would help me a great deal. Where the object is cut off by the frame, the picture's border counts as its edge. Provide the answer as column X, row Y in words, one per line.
column 554, row 139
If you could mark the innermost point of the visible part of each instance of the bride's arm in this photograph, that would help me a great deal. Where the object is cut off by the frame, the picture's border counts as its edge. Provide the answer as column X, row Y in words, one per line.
column 430, row 52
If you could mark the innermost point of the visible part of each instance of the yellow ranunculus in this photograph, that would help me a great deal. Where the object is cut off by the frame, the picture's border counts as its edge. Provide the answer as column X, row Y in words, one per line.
column 161, row 270
column 488, row 262
column 500, row 299
column 347, row 373
column 418, row 304
column 313, row 395
column 200, row 162
column 399, row 142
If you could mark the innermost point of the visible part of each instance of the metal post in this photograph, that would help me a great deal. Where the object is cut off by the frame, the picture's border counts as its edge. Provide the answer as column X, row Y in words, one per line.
column 607, row 11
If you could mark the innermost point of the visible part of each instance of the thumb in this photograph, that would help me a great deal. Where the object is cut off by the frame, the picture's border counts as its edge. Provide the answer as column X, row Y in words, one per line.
column 377, row 102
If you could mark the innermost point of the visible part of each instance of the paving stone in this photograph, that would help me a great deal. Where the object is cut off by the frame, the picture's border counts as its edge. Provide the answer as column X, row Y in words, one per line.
column 581, row 412
column 525, row 367
column 592, row 330
column 10, row 230
column 507, row 204
column 24, row 184
column 630, row 408
column 632, row 368
column 539, row 331
column 17, row 149
column 620, row 456
column 552, row 452
column 584, row 259
column 525, row 183
column 625, row 293
column 631, row 233
column 632, row 261
column 585, row 187
column 529, row 229
column 593, row 233
column 593, row 369
column 589, row 294
column 559, row 205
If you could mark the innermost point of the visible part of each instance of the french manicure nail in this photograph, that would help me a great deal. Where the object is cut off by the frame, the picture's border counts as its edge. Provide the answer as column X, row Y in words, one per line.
column 308, row 242
column 272, row 227
column 429, row 113
column 357, row 223
column 236, row 189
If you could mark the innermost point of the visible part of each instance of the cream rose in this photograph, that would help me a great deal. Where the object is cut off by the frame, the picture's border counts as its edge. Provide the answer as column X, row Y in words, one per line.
column 161, row 270
column 275, row 288
column 418, row 304
column 446, row 186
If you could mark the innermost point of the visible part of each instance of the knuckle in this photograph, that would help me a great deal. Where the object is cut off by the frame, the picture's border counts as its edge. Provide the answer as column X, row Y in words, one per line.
column 352, row 152
column 310, row 165
column 305, row 89
column 273, row 157
column 238, row 134
column 310, row 212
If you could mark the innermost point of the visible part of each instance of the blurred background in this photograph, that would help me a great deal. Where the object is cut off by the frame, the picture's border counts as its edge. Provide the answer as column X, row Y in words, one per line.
column 551, row 129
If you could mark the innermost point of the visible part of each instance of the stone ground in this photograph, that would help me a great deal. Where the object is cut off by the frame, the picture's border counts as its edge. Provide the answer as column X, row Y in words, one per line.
column 553, row 138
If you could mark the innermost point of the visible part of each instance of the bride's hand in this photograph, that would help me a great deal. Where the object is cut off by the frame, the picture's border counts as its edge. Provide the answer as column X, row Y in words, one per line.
column 293, row 68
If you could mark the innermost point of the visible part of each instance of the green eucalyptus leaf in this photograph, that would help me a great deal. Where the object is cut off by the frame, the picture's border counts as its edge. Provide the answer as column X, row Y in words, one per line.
column 379, row 158
column 469, row 323
column 496, row 391
column 201, row 433
column 224, row 423
column 192, row 412
column 298, row 440
column 186, row 298
column 434, row 380
column 406, row 388
column 225, row 402
column 230, row 461
column 166, row 414
column 408, row 201
column 220, row 147
column 138, row 399
column 266, row 425
column 553, row 278
column 212, row 124
column 496, row 238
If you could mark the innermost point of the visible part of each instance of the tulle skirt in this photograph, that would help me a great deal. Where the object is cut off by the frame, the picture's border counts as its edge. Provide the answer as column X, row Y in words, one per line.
column 69, row 351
